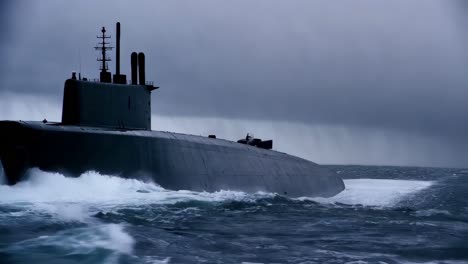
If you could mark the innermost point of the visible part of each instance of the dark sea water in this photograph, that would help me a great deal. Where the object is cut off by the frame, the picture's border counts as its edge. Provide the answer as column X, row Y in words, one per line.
column 385, row 215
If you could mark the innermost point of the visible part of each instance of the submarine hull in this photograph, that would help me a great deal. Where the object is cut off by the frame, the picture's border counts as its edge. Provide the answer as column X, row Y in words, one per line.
column 174, row 161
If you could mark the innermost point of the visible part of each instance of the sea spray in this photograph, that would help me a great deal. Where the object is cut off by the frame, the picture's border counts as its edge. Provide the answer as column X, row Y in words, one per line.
column 94, row 188
column 375, row 192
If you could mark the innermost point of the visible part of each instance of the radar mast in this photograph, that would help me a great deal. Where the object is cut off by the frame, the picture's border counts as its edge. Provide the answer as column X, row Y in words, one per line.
column 103, row 46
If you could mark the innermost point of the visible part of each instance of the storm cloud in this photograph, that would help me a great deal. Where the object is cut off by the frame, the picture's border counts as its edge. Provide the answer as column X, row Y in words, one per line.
column 393, row 68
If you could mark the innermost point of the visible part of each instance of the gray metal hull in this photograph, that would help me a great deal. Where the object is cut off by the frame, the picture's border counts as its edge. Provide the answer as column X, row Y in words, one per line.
column 174, row 161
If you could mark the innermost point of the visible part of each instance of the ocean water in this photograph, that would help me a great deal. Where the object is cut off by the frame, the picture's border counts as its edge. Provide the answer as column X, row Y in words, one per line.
column 385, row 215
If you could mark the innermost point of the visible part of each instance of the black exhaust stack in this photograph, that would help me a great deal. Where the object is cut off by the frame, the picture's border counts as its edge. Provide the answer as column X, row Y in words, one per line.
column 141, row 68
column 134, row 62
column 118, row 78
column 117, row 51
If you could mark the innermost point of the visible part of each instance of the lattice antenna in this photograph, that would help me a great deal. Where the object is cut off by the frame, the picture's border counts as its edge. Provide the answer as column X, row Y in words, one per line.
column 103, row 46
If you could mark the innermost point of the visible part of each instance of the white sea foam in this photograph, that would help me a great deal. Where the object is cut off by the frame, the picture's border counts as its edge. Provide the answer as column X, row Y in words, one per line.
column 94, row 188
column 70, row 198
column 375, row 192
column 106, row 236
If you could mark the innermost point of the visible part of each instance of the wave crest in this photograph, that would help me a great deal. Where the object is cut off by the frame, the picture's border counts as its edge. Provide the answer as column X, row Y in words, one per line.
column 94, row 188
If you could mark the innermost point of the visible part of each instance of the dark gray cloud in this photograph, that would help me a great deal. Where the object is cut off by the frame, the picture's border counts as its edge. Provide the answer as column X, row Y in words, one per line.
column 389, row 65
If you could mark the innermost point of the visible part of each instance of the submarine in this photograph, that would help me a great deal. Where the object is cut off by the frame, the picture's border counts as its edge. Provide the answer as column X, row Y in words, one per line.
column 106, row 128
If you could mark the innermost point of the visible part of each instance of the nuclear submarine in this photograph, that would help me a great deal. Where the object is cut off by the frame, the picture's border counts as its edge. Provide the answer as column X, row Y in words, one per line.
column 106, row 128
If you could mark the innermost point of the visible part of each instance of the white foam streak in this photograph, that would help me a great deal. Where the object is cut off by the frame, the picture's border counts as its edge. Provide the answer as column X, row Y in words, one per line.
column 376, row 192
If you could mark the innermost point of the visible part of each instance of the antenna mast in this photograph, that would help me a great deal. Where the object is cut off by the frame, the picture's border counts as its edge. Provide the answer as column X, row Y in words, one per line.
column 103, row 46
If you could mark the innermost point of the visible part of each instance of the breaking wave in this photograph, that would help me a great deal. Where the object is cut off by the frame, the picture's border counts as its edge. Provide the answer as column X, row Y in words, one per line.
column 94, row 188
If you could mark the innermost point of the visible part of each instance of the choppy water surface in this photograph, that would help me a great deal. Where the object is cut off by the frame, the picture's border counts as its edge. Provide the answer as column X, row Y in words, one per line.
column 385, row 215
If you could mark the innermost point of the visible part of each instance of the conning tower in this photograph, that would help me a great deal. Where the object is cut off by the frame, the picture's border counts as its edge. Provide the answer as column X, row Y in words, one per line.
column 110, row 102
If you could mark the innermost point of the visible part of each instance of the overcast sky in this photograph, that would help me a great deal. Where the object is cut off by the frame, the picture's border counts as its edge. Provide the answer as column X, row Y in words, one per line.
column 366, row 67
